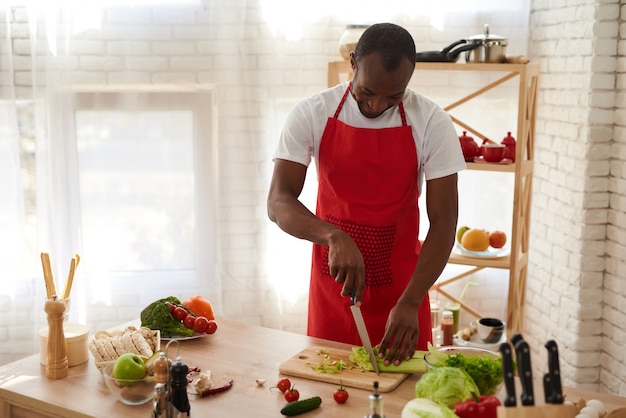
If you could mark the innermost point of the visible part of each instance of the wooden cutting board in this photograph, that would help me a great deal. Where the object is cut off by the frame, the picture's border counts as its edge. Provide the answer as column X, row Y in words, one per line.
column 300, row 366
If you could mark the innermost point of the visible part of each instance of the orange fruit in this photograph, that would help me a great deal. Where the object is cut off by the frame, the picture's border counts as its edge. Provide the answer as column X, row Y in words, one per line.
column 475, row 240
column 497, row 239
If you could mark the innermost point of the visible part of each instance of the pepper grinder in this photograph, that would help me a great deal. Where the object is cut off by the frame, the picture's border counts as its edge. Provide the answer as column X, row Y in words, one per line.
column 178, row 386
column 376, row 403
column 161, row 367
column 56, row 364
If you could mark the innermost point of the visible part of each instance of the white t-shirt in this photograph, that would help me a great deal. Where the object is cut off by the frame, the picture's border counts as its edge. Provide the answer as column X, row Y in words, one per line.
column 436, row 141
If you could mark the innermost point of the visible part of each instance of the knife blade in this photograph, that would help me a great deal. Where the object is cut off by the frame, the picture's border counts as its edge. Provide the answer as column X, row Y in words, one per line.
column 524, row 370
column 360, row 327
column 554, row 370
column 507, row 374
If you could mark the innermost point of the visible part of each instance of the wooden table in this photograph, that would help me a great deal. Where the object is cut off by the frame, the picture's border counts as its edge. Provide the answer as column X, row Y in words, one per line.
column 238, row 351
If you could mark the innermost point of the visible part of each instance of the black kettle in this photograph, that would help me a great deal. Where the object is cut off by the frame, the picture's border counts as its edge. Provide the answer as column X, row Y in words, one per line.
column 448, row 54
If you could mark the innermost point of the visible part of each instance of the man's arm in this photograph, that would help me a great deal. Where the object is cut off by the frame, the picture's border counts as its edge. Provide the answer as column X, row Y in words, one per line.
column 285, row 209
column 442, row 207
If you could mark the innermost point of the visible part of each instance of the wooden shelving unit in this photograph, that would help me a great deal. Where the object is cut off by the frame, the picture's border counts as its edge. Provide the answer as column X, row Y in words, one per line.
column 517, row 261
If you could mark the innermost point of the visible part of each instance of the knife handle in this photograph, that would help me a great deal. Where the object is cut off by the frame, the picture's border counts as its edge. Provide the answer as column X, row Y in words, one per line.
column 524, row 370
column 547, row 388
column 555, row 373
column 507, row 374
column 516, row 338
column 352, row 295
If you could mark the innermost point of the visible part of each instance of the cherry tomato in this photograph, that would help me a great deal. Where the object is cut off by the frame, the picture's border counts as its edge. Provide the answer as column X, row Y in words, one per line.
column 292, row 394
column 172, row 306
column 190, row 322
column 201, row 324
column 341, row 394
column 179, row 313
column 283, row 385
column 211, row 327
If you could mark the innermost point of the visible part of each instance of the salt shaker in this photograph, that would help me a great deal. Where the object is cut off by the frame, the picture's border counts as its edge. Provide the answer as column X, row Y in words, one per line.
column 56, row 363
column 376, row 403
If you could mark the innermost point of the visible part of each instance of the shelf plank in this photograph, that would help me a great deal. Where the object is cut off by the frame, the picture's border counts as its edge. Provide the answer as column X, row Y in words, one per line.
column 500, row 262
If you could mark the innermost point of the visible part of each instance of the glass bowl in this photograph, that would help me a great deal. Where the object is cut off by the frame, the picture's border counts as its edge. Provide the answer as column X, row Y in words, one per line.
column 129, row 392
column 486, row 374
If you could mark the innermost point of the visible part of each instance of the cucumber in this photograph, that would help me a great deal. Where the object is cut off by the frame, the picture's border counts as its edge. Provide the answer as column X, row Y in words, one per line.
column 300, row 407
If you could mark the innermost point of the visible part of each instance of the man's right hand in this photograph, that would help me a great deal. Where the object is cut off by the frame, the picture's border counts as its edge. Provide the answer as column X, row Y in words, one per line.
column 346, row 265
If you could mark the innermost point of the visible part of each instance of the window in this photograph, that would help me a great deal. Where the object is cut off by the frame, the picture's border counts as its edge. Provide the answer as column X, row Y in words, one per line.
column 143, row 191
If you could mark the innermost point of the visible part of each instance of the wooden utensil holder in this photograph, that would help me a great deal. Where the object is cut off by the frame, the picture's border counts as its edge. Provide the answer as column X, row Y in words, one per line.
column 543, row 411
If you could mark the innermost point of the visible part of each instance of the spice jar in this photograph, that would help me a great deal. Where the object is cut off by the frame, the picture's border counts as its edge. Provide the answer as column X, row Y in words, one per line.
column 447, row 327
column 349, row 39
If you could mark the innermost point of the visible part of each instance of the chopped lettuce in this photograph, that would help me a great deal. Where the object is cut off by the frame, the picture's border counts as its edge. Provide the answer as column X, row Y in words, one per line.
column 425, row 408
column 327, row 365
column 485, row 370
column 445, row 385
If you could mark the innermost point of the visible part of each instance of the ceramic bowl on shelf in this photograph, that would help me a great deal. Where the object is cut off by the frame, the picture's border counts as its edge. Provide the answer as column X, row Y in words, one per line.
column 129, row 392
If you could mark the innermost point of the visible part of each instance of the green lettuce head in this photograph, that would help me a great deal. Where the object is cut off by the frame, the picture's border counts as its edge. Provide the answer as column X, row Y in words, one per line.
column 445, row 385
column 425, row 408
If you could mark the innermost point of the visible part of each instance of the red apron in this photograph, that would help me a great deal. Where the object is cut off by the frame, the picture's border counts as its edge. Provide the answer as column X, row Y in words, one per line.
column 368, row 188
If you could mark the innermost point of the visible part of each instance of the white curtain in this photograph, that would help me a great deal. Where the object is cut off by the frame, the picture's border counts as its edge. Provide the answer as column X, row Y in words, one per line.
column 139, row 136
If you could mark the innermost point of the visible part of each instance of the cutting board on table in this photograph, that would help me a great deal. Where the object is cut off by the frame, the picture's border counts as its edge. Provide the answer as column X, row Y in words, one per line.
column 300, row 366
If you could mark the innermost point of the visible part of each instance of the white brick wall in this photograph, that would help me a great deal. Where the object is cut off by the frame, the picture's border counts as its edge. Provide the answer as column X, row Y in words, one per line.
column 576, row 275
column 574, row 284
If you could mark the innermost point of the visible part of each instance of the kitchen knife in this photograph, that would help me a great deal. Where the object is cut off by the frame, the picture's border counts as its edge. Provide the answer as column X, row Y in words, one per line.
column 524, row 370
column 507, row 374
column 554, row 370
column 360, row 326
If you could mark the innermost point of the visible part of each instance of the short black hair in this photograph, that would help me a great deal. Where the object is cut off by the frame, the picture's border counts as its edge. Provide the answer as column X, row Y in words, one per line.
column 391, row 41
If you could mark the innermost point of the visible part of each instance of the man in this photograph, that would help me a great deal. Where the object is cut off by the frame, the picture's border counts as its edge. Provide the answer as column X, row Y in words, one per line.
column 373, row 141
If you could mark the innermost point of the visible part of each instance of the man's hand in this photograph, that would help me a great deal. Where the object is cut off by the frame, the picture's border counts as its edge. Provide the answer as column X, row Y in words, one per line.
column 401, row 333
column 346, row 265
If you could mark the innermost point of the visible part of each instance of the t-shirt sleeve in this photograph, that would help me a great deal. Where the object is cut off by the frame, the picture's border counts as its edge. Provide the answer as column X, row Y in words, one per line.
column 443, row 152
column 296, row 142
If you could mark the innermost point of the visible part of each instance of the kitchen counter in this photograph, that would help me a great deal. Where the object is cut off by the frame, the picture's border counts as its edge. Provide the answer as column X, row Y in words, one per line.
column 238, row 351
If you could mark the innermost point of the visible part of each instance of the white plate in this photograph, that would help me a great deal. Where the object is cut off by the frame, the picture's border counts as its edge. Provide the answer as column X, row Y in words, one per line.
column 181, row 338
column 474, row 341
column 490, row 253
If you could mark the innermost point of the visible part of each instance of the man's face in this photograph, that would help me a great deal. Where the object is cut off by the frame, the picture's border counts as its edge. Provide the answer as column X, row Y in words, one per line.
column 375, row 89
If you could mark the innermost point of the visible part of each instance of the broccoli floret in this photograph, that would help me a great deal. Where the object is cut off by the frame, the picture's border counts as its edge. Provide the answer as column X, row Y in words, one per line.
column 157, row 315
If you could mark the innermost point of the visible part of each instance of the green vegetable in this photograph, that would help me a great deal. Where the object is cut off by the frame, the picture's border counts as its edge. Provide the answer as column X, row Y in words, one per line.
column 484, row 369
column 158, row 315
column 416, row 364
column 445, row 385
column 425, row 408
column 300, row 407
column 328, row 365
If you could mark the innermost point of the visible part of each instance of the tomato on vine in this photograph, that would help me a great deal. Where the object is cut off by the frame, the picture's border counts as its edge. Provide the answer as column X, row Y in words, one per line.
column 341, row 394
column 292, row 394
column 283, row 385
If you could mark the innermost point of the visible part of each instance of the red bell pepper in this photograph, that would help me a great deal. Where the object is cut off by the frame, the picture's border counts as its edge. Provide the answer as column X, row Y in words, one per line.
column 478, row 407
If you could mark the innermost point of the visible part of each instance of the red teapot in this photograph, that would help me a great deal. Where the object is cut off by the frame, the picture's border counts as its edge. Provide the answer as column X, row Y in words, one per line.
column 509, row 147
column 469, row 147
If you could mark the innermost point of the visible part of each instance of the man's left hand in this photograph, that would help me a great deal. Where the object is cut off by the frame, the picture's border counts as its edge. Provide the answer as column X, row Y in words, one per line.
column 401, row 332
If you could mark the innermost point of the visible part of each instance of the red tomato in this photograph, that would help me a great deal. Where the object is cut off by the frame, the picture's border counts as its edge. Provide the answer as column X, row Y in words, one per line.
column 172, row 306
column 179, row 313
column 201, row 324
column 283, row 385
column 189, row 322
column 211, row 327
column 292, row 395
column 340, row 395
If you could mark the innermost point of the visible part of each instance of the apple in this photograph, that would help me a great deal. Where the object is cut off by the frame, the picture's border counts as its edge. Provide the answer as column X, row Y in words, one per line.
column 129, row 366
column 497, row 239
column 459, row 234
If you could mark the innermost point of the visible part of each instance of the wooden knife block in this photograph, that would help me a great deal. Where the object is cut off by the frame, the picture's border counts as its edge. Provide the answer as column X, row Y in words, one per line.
column 543, row 411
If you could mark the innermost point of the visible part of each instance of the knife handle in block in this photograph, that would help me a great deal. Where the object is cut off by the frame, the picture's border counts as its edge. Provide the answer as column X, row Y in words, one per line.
column 508, row 374
column 556, row 392
column 524, row 370
column 543, row 411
